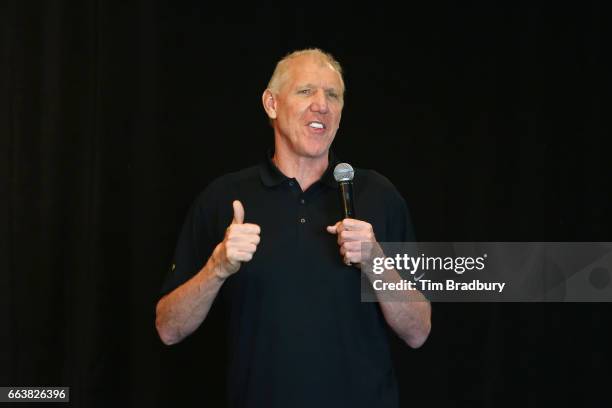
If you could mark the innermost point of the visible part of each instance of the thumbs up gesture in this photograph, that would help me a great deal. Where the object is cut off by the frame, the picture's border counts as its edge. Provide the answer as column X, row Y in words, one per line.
column 239, row 244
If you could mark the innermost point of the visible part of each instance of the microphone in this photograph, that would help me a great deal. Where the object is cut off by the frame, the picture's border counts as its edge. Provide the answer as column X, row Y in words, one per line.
column 344, row 173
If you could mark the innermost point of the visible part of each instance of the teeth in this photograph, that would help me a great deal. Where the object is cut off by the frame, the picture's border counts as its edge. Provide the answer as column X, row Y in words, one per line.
column 316, row 125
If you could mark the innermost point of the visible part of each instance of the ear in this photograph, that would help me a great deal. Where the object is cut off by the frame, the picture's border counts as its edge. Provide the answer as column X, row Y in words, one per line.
column 269, row 103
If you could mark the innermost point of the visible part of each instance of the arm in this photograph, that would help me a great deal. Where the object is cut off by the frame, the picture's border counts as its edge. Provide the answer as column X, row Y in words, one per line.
column 410, row 319
column 180, row 313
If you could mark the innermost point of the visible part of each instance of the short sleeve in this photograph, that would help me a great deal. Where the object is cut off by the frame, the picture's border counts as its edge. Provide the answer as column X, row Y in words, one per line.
column 399, row 223
column 197, row 240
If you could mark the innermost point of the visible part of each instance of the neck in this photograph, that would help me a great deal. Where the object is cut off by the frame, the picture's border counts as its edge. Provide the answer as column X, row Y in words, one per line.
column 306, row 170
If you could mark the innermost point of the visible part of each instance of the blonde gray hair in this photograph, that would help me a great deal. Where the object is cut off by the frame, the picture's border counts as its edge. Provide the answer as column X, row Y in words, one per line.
column 278, row 76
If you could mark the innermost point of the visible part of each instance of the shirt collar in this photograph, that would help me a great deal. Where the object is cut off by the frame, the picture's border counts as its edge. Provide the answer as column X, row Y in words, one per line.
column 271, row 176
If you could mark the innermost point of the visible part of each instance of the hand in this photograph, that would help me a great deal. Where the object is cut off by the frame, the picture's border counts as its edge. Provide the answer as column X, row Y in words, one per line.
column 351, row 233
column 239, row 244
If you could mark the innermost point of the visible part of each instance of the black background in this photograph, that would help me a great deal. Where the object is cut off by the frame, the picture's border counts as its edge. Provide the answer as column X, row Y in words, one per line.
column 490, row 119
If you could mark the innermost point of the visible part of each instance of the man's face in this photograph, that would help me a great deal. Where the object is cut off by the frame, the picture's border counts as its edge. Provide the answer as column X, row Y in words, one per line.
column 308, row 107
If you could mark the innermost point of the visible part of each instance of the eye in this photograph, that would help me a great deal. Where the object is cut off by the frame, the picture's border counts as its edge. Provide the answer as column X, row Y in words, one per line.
column 333, row 95
column 304, row 91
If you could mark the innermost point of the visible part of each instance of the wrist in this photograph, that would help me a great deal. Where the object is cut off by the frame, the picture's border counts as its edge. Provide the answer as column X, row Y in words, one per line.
column 371, row 251
column 219, row 265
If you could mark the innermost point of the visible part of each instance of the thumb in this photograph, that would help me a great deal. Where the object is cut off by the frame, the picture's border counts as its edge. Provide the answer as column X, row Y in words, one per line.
column 238, row 212
column 332, row 229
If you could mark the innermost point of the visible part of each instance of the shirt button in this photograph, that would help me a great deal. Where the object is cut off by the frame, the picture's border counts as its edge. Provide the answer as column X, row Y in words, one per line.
column 302, row 201
column 291, row 183
column 302, row 220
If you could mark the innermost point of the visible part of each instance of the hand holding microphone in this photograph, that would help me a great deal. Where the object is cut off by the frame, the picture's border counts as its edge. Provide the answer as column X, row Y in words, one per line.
column 351, row 234
column 350, row 231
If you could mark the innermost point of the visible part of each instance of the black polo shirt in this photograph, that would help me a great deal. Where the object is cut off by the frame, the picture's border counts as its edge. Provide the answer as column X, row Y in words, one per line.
column 299, row 335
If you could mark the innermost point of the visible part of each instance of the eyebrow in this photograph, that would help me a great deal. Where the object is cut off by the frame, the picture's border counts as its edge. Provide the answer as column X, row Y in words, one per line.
column 314, row 86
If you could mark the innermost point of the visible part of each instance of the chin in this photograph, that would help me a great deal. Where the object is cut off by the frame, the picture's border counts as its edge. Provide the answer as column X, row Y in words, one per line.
column 315, row 150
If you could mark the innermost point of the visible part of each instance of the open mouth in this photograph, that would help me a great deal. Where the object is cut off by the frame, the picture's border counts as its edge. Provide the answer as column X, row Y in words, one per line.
column 316, row 125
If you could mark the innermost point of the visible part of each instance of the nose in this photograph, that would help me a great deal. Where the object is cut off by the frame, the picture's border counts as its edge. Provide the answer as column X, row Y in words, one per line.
column 319, row 102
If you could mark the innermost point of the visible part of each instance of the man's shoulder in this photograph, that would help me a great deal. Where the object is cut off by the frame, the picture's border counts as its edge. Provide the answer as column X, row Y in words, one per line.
column 240, row 176
column 380, row 194
column 373, row 180
column 229, row 181
column 228, row 184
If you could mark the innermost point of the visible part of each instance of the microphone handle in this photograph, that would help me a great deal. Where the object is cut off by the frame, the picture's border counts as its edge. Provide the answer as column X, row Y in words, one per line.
column 346, row 198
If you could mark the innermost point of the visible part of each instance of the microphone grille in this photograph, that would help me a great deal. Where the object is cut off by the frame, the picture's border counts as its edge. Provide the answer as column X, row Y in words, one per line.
column 343, row 172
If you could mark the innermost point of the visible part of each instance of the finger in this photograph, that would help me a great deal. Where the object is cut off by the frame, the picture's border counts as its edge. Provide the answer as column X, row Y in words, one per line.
column 351, row 257
column 244, row 239
column 350, row 247
column 333, row 229
column 250, row 228
column 353, row 246
column 244, row 229
column 238, row 212
column 354, row 225
column 244, row 256
column 347, row 236
column 244, row 247
column 251, row 239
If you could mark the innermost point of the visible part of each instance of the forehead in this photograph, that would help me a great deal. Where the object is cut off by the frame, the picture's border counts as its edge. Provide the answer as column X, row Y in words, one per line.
column 312, row 70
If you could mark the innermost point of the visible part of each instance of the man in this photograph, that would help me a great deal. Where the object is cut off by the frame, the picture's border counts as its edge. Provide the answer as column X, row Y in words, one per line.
column 269, row 245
